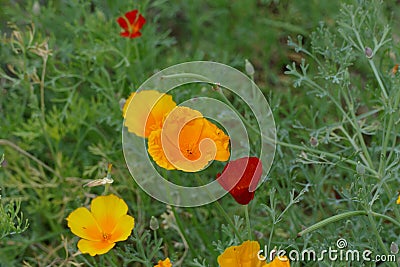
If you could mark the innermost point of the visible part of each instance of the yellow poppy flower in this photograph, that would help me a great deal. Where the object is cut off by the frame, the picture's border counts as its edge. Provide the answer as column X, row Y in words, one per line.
column 164, row 263
column 279, row 262
column 144, row 111
column 242, row 255
column 100, row 228
column 398, row 200
column 187, row 141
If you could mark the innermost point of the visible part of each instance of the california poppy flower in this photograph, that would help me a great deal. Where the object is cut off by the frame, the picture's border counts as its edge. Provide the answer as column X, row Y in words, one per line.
column 398, row 200
column 145, row 110
column 187, row 141
column 100, row 228
column 164, row 263
column 245, row 254
column 131, row 23
column 240, row 177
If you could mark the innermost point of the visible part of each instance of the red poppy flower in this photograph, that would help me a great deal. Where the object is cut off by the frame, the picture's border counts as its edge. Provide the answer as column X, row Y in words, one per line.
column 131, row 23
column 240, row 177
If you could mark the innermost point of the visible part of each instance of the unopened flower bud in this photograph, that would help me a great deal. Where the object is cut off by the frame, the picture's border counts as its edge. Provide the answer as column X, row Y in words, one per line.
column 154, row 223
column 36, row 8
column 313, row 141
column 122, row 102
column 394, row 248
column 249, row 68
column 368, row 52
column 258, row 235
column 360, row 168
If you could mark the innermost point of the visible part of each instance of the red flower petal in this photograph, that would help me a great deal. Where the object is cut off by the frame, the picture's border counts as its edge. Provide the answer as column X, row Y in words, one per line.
column 240, row 177
column 123, row 23
column 140, row 22
column 131, row 16
column 134, row 34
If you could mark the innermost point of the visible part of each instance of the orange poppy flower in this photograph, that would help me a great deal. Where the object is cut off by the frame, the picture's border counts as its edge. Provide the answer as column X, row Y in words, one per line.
column 164, row 263
column 187, row 141
column 245, row 254
column 131, row 23
column 144, row 111
column 240, row 177
column 100, row 228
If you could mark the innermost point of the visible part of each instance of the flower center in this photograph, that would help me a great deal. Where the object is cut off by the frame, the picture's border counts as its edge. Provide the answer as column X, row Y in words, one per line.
column 106, row 236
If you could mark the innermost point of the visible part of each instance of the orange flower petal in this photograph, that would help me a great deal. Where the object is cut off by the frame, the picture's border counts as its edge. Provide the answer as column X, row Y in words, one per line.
column 229, row 258
column 187, row 141
column 164, row 263
column 220, row 139
column 108, row 210
column 242, row 255
column 94, row 247
column 123, row 229
column 156, row 150
column 145, row 111
column 83, row 224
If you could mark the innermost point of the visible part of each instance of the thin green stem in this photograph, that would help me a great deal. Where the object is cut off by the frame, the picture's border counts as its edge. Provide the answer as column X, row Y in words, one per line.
column 361, row 47
column 365, row 155
column 388, row 135
column 353, row 121
column 42, row 105
column 246, row 213
column 345, row 215
column 30, row 156
column 378, row 78
column 228, row 220
column 377, row 235
column 43, row 109
column 183, row 234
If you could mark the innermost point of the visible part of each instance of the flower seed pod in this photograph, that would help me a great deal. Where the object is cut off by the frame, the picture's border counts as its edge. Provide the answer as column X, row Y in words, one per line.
column 249, row 68
column 394, row 248
column 36, row 8
column 313, row 141
column 360, row 168
column 368, row 52
column 154, row 223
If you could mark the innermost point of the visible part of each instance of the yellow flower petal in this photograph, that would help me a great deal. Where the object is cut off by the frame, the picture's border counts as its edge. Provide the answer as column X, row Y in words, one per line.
column 84, row 225
column 108, row 210
column 279, row 262
column 164, row 263
column 123, row 229
column 398, row 200
column 242, row 255
column 156, row 150
column 94, row 247
column 144, row 111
